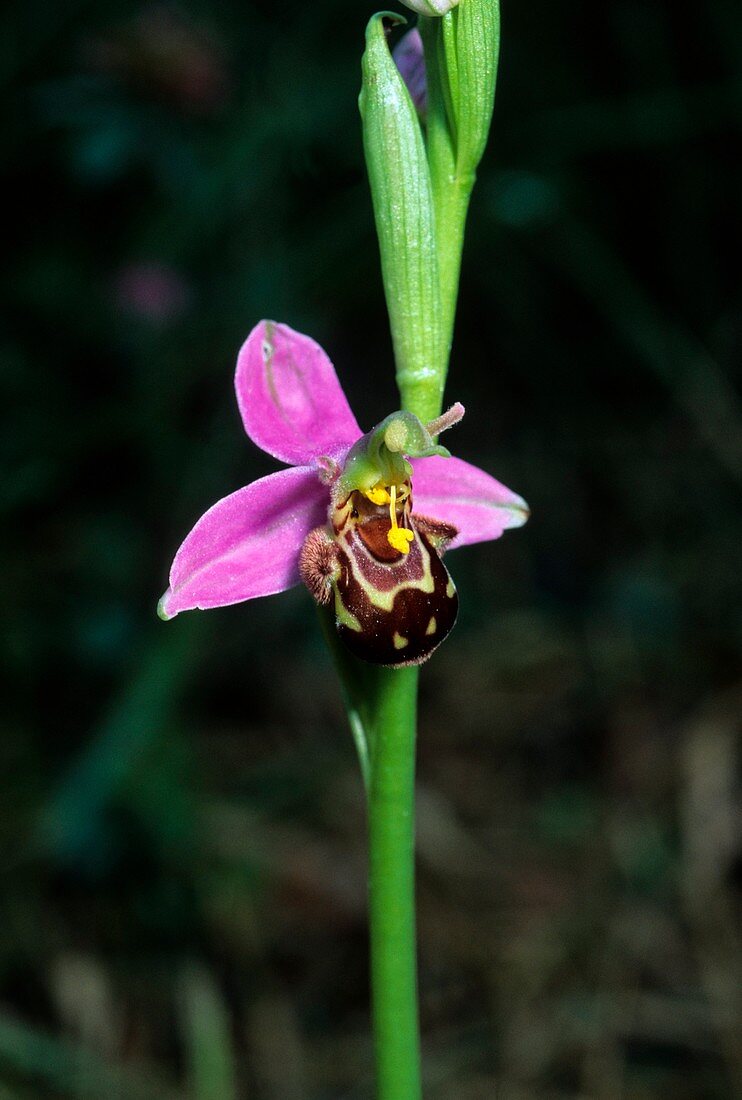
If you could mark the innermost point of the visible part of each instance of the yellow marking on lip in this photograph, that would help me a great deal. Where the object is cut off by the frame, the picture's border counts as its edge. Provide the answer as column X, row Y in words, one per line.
column 384, row 601
column 432, row 626
column 344, row 616
column 399, row 640
column 450, row 590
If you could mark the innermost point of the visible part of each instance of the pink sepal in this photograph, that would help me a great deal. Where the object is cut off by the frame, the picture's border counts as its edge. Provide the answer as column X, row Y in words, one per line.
column 290, row 399
column 248, row 543
column 456, row 492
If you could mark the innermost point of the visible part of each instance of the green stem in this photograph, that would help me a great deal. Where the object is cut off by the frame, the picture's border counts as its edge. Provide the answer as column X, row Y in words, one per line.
column 381, row 705
column 392, row 887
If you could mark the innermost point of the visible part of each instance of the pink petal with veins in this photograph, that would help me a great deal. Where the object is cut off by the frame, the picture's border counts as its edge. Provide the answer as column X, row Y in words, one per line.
column 456, row 492
column 247, row 544
column 291, row 401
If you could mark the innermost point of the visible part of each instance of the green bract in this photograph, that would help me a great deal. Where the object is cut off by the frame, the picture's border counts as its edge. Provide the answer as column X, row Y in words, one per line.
column 461, row 52
column 405, row 223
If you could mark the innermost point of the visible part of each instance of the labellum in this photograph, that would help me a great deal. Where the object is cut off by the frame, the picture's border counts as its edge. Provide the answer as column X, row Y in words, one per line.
column 381, row 565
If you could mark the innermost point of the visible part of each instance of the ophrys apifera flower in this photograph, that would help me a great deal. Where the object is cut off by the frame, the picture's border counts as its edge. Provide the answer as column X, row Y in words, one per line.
column 362, row 519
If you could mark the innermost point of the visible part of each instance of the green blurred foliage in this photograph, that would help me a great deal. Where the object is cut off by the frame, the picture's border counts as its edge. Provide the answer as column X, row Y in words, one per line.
column 181, row 823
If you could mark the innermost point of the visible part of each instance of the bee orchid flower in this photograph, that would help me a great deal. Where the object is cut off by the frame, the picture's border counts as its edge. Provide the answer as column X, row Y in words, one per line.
column 342, row 517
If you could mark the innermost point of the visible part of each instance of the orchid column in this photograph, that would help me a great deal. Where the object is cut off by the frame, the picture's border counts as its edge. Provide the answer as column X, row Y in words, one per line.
column 421, row 171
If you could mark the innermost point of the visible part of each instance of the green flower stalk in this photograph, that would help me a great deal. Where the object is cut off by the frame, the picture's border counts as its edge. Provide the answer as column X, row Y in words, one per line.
column 421, row 182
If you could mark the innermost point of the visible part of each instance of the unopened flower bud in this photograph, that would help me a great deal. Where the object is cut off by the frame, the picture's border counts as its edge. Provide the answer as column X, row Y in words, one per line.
column 431, row 7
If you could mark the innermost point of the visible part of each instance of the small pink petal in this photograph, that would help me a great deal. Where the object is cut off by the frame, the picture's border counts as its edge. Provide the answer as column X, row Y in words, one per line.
column 291, row 401
column 456, row 492
column 409, row 57
column 247, row 544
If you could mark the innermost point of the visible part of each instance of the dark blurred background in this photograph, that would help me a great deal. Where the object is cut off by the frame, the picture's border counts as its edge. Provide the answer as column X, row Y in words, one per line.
column 182, row 823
